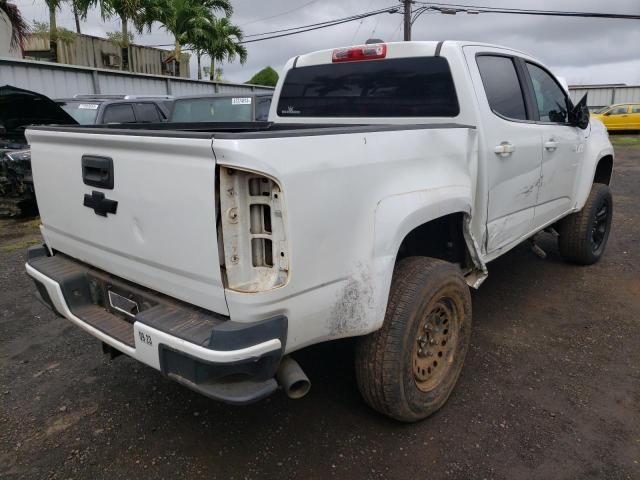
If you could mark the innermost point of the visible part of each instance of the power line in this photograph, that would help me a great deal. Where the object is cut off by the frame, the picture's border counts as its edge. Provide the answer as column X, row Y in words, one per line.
column 280, row 14
column 453, row 8
column 321, row 25
column 357, row 16
column 307, row 28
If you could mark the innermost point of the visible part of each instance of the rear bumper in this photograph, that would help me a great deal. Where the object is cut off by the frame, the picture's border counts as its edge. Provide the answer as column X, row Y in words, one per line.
column 230, row 361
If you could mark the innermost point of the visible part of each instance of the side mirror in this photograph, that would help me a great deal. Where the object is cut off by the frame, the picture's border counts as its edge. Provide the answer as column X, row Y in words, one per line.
column 579, row 115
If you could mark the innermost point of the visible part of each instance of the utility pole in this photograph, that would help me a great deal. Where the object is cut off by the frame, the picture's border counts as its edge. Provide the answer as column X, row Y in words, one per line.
column 407, row 20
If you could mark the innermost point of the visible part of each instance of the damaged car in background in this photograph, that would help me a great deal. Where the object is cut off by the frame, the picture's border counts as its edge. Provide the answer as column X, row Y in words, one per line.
column 18, row 109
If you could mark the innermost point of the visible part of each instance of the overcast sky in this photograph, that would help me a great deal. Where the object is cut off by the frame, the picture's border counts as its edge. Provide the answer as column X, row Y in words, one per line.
column 583, row 50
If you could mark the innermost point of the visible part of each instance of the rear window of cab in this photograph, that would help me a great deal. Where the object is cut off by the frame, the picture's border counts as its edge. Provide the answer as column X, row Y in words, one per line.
column 396, row 87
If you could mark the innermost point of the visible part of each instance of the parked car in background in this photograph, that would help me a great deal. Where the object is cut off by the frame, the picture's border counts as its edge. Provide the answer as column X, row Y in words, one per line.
column 21, row 108
column 104, row 109
column 621, row 116
column 221, row 108
column 18, row 109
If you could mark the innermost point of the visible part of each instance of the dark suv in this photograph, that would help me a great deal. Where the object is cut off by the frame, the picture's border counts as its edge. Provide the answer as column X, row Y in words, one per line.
column 104, row 109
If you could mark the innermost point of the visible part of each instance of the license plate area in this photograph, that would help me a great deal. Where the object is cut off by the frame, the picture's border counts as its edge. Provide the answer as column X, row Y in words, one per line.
column 119, row 298
column 123, row 304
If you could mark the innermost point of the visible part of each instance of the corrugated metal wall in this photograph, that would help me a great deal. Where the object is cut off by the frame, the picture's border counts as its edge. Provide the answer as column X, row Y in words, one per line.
column 606, row 95
column 63, row 81
column 89, row 51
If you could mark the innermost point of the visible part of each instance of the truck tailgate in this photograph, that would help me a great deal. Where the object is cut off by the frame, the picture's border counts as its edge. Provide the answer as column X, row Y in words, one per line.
column 163, row 232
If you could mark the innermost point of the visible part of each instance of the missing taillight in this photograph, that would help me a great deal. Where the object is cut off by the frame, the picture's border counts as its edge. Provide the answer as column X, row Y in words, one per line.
column 252, row 239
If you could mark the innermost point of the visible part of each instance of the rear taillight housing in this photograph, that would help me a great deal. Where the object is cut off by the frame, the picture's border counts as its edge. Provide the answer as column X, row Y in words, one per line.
column 361, row 52
column 255, row 256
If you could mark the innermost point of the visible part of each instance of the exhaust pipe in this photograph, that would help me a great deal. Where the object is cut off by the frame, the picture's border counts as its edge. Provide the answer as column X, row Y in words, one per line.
column 292, row 379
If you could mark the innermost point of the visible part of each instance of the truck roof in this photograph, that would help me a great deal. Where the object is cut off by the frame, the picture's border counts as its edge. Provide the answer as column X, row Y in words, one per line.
column 394, row 50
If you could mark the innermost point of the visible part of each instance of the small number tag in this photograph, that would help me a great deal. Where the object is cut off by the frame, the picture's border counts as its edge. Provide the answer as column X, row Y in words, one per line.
column 145, row 338
column 241, row 101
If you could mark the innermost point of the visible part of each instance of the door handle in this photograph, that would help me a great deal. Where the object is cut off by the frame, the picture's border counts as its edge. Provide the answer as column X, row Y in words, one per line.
column 551, row 145
column 504, row 149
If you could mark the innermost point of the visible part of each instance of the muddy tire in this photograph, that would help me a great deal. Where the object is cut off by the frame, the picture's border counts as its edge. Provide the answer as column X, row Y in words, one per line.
column 408, row 368
column 584, row 234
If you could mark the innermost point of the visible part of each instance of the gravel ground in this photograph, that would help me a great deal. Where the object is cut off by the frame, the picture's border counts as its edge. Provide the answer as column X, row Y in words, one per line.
column 550, row 389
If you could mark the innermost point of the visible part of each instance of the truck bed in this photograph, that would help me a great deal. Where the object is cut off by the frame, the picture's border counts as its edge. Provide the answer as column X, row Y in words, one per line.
column 240, row 130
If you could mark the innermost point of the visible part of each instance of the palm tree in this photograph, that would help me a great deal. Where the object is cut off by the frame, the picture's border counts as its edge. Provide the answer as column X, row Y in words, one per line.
column 53, row 5
column 142, row 13
column 77, row 13
column 189, row 19
column 19, row 27
column 225, row 44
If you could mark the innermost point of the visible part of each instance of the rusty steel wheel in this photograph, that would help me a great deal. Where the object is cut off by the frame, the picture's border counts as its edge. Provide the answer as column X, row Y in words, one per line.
column 434, row 348
column 409, row 367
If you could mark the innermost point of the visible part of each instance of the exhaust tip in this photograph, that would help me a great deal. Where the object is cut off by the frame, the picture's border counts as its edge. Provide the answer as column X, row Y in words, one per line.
column 292, row 379
column 298, row 389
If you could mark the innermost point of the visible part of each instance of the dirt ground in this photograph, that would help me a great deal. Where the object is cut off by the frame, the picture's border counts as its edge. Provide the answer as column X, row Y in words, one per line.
column 550, row 389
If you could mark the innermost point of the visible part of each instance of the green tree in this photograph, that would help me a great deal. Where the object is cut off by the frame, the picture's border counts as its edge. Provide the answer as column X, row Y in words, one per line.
column 17, row 23
column 224, row 44
column 42, row 29
column 53, row 6
column 141, row 13
column 267, row 76
column 116, row 39
column 188, row 20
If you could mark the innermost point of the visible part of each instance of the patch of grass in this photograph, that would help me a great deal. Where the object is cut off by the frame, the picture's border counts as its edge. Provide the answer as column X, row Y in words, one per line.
column 621, row 140
column 22, row 244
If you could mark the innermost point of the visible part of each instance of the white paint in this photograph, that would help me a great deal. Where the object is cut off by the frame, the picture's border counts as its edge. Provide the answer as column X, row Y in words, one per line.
column 349, row 200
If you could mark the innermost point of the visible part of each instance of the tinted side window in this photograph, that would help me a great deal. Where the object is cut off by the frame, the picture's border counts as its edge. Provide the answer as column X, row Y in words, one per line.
column 396, row 87
column 122, row 113
column 147, row 112
column 262, row 108
column 550, row 97
column 635, row 109
column 502, row 86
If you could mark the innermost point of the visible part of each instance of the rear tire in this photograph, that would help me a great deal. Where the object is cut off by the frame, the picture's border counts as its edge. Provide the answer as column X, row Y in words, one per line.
column 409, row 367
column 584, row 234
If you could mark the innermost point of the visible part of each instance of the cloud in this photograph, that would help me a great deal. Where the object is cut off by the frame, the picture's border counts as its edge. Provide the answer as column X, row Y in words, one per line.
column 583, row 50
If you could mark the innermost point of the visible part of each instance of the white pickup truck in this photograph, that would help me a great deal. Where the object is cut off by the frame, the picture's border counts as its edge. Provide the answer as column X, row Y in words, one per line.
column 388, row 177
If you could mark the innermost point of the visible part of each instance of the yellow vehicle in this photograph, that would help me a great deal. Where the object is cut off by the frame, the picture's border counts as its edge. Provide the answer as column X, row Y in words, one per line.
column 621, row 116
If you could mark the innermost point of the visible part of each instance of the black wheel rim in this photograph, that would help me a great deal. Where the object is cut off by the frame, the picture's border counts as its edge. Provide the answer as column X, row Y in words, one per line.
column 600, row 225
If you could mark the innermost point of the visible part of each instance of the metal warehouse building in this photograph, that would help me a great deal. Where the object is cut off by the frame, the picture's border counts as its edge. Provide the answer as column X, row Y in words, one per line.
column 605, row 94
column 63, row 81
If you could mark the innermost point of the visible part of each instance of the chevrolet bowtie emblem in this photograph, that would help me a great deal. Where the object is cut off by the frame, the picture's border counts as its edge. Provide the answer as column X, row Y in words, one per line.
column 100, row 204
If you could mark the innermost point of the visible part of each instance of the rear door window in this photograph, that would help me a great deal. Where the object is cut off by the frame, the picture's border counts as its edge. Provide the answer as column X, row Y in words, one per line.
column 398, row 87
column 502, row 86
column 119, row 113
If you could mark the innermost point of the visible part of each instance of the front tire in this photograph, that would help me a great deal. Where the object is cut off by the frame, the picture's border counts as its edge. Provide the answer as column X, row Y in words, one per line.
column 409, row 367
column 584, row 234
